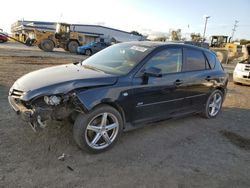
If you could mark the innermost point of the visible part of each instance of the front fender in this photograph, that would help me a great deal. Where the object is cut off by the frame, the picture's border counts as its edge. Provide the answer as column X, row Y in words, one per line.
column 93, row 97
column 107, row 95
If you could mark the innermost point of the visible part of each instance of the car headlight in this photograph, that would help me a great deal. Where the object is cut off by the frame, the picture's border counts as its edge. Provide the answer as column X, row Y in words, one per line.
column 52, row 100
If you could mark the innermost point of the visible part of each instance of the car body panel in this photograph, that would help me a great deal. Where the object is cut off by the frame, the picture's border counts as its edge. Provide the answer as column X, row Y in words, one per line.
column 60, row 79
column 160, row 94
column 3, row 38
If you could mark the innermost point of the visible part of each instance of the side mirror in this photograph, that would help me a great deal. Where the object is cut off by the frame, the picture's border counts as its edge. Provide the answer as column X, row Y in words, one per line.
column 152, row 71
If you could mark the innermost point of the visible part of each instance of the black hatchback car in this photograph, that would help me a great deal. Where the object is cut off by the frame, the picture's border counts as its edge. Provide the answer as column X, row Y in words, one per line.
column 121, row 87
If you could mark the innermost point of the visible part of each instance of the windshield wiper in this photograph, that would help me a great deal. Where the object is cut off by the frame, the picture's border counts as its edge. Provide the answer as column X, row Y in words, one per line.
column 92, row 68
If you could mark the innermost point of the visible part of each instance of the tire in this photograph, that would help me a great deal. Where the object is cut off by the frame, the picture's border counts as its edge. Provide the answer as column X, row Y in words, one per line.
column 47, row 45
column 98, row 130
column 1, row 41
column 72, row 117
column 211, row 104
column 88, row 52
column 39, row 46
column 72, row 46
column 236, row 83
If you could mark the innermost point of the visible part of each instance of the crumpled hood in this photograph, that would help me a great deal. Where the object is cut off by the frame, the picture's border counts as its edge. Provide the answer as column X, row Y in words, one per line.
column 60, row 79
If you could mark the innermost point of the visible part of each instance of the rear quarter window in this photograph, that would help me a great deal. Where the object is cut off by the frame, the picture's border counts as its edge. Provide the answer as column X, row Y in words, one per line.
column 211, row 59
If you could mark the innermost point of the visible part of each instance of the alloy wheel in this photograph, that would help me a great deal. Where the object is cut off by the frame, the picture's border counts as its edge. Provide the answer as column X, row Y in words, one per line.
column 215, row 104
column 102, row 130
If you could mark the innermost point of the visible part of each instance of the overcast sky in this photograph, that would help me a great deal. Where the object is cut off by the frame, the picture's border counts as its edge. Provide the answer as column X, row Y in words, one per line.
column 146, row 16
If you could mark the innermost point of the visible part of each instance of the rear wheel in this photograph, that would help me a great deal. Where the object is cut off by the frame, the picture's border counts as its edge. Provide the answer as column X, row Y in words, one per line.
column 98, row 130
column 72, row 46
column 47, row 45
column 39, row 46
column 213, row 104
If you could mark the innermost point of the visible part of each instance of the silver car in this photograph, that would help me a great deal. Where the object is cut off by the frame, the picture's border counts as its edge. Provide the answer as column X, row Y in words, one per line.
column 242, row 72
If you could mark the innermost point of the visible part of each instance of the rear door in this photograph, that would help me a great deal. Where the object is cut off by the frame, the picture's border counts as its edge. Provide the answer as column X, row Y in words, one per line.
column 198, row 74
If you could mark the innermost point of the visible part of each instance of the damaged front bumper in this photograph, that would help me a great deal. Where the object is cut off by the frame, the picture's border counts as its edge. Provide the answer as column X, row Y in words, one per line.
column 37, row 114
column 26, row 114
column 20, row 109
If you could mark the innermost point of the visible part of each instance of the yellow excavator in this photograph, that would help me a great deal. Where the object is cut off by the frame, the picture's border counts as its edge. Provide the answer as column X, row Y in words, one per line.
column 225, row 50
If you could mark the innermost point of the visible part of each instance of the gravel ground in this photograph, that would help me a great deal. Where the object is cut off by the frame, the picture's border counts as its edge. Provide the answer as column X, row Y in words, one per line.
column 187, row 152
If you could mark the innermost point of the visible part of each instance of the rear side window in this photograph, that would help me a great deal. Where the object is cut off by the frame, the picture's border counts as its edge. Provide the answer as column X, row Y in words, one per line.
column 211, row 59
column 193, row 60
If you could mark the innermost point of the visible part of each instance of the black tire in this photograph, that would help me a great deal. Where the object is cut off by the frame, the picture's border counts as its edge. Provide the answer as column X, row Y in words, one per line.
column 72, row 117
column 72, row 46
column 207, row 109
column 1, row 41
column 82, row 134
column 88, row 52
column 39, row 46
column 47, row 45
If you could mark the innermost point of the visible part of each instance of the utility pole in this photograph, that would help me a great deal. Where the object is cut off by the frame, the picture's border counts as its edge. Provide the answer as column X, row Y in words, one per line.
column 234, row 28
column 205, row 28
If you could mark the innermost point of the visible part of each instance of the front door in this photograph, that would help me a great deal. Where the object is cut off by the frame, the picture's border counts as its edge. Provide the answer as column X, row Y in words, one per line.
column 158, row 97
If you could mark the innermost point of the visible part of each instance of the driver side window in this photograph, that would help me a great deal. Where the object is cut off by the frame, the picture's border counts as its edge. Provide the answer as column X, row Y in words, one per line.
column 168, row 60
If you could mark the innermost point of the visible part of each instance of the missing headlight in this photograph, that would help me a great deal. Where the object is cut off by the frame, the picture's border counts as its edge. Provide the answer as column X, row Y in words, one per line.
column 52, row 100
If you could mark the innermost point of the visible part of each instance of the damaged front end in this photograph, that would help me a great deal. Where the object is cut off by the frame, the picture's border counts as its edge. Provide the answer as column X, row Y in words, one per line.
column 41, row 109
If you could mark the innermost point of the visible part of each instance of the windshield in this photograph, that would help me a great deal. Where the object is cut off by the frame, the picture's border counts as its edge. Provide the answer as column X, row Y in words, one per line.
column 91, row 43
column 118, row 59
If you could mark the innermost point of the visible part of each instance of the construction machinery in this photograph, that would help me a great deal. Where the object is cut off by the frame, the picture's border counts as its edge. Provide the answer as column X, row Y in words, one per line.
column 45, row 40
column 67, row 39
column 63, row 37
column 226, row 50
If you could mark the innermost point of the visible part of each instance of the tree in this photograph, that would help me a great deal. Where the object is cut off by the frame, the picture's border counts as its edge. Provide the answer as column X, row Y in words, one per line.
column 136, row 33
column 196, row 37
column 244, row 41
column 176, row 35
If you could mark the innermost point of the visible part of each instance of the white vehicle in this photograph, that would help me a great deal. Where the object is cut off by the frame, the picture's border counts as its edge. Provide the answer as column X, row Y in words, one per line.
column 242, row 72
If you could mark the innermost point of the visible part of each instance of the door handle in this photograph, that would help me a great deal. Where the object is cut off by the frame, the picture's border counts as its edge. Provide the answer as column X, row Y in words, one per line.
column 178, row 82
column 208, row 78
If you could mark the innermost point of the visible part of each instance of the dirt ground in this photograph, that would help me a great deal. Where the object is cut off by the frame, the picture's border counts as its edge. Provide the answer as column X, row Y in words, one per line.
column 188, row 152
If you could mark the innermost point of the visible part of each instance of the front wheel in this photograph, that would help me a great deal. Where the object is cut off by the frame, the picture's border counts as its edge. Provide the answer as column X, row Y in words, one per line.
column 88, row 52
column 213, row 104
column 72, row 46
column 47, row 45
column 98, row 130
